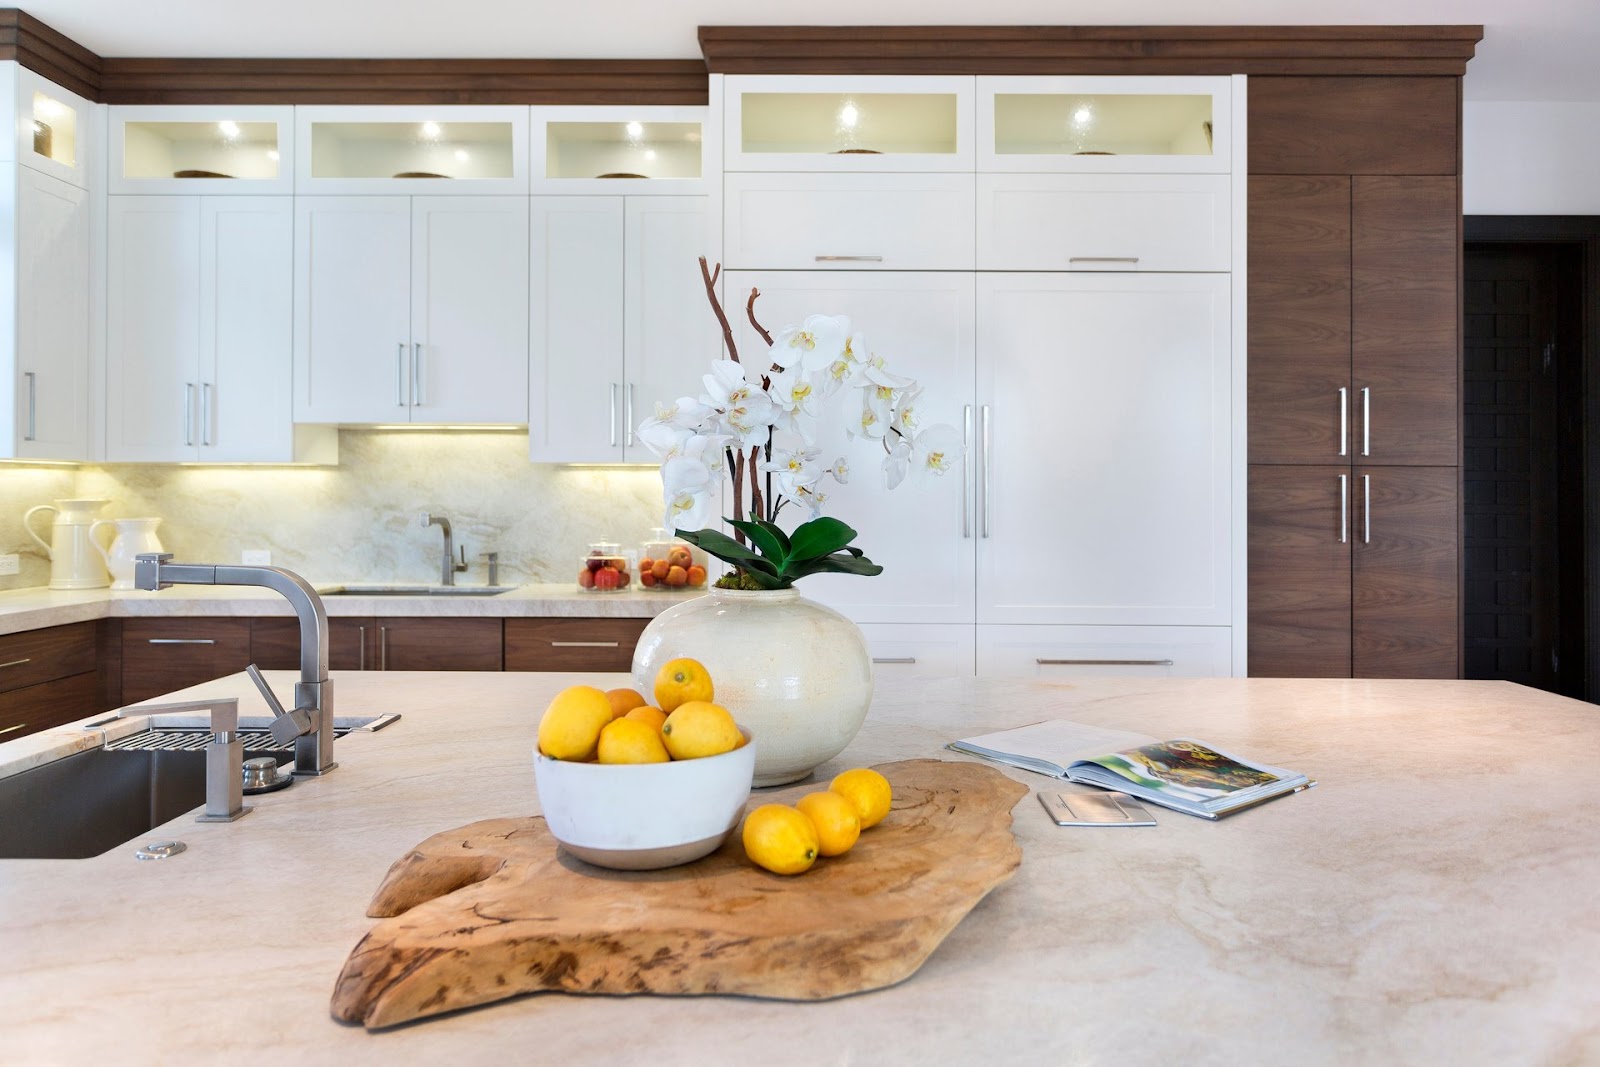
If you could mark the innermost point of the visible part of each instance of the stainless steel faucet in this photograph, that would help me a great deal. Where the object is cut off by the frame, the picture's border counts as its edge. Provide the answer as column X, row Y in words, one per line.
column 310, row 724
column 449, row 567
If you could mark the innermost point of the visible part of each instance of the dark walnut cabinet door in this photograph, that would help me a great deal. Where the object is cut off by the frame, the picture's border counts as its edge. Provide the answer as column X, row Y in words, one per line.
column 1300, row 541
column 1405, row 565
column 439, row 644
column 572, row 644
column 352, row 644
column 162, row 655
column 1299, row 299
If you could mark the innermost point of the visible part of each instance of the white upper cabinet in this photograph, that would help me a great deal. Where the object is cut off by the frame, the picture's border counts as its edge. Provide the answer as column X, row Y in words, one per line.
column 390, row 151
column 54, row 131
column 656, row 151
column 411, row 310
column 1102, row 125
column 213, row 151
column 851, row 123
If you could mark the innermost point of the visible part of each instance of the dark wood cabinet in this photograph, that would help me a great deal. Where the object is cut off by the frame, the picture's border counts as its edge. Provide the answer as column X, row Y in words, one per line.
column 1300, row 526
column 352, row 644
column 1353, row 125
column 1406, row 603
column 166, row 654
column 49, row 677
column 435, row 644
column 566, row 644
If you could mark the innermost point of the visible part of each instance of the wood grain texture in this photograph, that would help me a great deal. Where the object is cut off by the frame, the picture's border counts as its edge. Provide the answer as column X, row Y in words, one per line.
column 1354, row 125
column 39, row 707
column 1406, row 317
column 44, row 51
column 542, row 921
column 352, row 644
column 572, row 644
column 35, row 656
column 149, row 670
column 439, row 644
column 1300, row 595
column 1257, row 50
column 1299, row 301
column 1406, row 580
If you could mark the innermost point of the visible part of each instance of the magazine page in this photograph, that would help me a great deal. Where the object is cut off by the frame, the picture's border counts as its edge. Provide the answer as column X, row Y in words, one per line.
column 1049, row 747
column 1186, row 770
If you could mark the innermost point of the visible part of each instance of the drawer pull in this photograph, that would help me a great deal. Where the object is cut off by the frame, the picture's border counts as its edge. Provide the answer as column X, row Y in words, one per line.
column 361, row 652
column 1103, row 259
column 11, row 729
column 17, row 662
column 894, row 659
column 849, row 259
column 182, row 641
column 585, row 644
column 1103, row 662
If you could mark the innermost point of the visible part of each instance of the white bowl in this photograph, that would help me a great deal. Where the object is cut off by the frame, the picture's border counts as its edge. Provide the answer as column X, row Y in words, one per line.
column 641, row 816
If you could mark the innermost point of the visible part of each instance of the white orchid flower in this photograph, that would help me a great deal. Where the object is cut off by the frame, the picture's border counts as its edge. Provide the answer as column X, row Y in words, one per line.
column 869, row 423
column 935, row 451
column 741, row 406
column 811, row 346
column 897, row 462
column 905, row 410
column 664, row 438
column 840, row 470
column 808, row 497
column 795, row 468
column 687, row 486
column 846, row 370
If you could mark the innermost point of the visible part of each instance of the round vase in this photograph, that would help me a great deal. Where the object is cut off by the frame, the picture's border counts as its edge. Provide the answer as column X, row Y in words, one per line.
column 796, row 674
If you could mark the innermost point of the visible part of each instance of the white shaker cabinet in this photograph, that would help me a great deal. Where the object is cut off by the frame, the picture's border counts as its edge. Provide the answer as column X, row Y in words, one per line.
column 620, row 321
column 410, row 309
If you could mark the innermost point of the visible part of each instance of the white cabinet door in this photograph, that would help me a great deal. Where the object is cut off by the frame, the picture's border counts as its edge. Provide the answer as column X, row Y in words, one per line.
column 246, row 284
column 1067, row 652
column 921, row 534
column 352, row 343
column 671, row 335
column 1105, row 409
column 576, row 376
column 916, row 650
column 469, row 321
column 52, row 319
column 152, row 336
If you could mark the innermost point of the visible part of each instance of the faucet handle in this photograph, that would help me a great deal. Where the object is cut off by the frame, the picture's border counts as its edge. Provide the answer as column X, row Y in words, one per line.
column 286, row 725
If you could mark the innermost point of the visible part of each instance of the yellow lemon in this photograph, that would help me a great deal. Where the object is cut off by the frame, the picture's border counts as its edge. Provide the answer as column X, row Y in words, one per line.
column 781, row 839
column 868, row 790
column 836, row 819
column 653, row 717
column 680, row 681
column 571, row 725
column 698, row 729
column 631, row 741
column 624, row 701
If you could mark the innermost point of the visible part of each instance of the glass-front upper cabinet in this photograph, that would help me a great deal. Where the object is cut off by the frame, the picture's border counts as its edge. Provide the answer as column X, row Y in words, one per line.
column 52, row 126
column 1105, row 124
column 606, row 149
column 213, row 149
column 848, row 123
column 367, row 150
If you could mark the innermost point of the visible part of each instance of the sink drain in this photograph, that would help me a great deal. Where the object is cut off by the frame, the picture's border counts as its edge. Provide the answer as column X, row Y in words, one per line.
column 160, row 850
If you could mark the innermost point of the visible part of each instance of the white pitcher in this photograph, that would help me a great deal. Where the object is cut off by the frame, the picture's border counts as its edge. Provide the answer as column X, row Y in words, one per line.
column 75, row 560
column 133, row 536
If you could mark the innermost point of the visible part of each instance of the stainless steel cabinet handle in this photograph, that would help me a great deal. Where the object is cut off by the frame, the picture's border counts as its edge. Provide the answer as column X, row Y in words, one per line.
column 13, row 729
column 33, row 396
column 205, row 414
column 628, row 416
column 966, row 470
column 383, row 648
column 584, row 644
column 1344, row 421
column 188, row 413
column 17, row 662
column 1344, row 508
column 1102, row 259
column 181, row 641
column 1103, row 662
column 983, row 430
column 1366, row 509
column 849, row 259
column 361, row 652
column 613, row 414
column 894, row 659
column 1366, row 421
column 400, row 374
column 418, row 398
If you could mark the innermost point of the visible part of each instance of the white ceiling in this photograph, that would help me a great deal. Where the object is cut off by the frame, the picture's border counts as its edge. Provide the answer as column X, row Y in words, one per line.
column 1532, row 49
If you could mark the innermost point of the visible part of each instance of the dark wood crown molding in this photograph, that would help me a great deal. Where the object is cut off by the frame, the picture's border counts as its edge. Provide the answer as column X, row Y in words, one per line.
column 1271, row 50
column 46, row 52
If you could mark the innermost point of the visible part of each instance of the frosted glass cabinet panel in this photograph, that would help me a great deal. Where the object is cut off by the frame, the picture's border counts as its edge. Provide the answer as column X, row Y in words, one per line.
column 215, row 151
column 378, row 150
column 54, row 131
column 607, row 150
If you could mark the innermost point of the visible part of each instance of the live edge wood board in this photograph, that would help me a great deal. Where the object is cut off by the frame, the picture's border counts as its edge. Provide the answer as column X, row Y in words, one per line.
column 493, row 909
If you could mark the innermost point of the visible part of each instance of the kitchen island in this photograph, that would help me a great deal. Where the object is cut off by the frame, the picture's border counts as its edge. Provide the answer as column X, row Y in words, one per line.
column 1430, row 901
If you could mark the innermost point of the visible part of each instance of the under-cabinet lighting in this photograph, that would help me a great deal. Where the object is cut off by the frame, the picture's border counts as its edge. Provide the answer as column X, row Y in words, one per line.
column 41, row 463
column 849, row 116
column 635, row 130
column 430, row 130
column 229, row 128
column 409, row 427
column 1082, row 117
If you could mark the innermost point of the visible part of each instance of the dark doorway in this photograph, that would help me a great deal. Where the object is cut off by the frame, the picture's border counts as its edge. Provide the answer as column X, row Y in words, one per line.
column 1527, row 556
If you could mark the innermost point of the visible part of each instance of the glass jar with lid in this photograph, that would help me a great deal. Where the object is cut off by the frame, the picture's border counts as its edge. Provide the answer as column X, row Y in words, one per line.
column 670, row 564
column 604, row 569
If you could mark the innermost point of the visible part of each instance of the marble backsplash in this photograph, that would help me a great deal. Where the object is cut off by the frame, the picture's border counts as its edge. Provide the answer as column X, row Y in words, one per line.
column 358, row 521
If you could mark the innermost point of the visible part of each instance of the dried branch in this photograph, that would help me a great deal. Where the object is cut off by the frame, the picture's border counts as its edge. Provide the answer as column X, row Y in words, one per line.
column 757, row 505
column 750, row 310
column 738, row 493
column 716, row 305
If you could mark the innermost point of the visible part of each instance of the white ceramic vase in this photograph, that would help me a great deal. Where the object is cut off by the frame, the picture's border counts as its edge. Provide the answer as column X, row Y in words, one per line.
column 796, row 674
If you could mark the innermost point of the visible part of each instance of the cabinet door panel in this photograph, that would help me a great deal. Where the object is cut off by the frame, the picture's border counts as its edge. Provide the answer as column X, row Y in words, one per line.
column 1407, row 315
column 160, row 656
column 469, row 309
column 1406, row 569
column 1065, row 652
column 1299, row 320
column 352, row 308
column 572, row 644
column 246, row 328
column 1107, row 465
column 52, row 323
column 435, row 644
column 39, row 707
column 921, row 534
column 352, row 644
column 575, row 385
column 34, row 656
column 152, row 334
column 918, row 650
column 1300, row 538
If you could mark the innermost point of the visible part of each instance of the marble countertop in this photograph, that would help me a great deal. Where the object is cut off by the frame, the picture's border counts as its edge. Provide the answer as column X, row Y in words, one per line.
column 1430, row 901
column 32, row 609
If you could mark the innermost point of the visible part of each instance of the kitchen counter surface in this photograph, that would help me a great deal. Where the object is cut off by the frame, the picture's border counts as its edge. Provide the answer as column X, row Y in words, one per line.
column 31, row 609
column 1430, row 901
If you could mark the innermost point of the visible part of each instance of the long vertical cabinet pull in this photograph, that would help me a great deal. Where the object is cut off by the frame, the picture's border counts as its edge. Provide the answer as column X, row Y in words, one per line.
column 361, row 648
column 966, row 471
column 205, row 414
column 188, row 413
column 627, row 418
column 417, row 396
column 613, row 414
column 33, row 396
column 1366, row 509
column 1344, row 508
column 383, row 648
column 400, row 374
column 983, row 430
column 1366, row 421
column 1344, row 421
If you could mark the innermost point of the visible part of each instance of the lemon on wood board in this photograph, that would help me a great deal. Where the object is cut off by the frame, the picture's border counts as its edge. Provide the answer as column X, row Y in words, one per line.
column 570, row 728
column 698, row 729
column 631, row 741
column 680, row 681
column 648, row 714
column 836, row 819
column 624, row 701
column 781, row 839
column 868, row 790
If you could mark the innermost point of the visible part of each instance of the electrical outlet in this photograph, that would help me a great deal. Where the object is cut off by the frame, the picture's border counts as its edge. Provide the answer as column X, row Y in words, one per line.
column 10, row 563
column 256, row 557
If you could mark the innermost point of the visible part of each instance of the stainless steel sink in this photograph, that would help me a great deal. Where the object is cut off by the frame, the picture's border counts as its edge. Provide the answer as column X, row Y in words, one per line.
column 414, row 590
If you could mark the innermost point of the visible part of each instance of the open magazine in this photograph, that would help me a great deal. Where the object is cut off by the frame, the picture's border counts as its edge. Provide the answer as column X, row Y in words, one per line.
column 1183, row 774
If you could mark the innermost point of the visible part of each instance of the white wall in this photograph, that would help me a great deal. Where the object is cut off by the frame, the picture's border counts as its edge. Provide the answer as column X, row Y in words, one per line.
column 1531, row 158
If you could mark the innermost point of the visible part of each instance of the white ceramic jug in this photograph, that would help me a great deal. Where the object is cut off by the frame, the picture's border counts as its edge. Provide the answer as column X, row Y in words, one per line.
column 133, row 536
column 75, row 560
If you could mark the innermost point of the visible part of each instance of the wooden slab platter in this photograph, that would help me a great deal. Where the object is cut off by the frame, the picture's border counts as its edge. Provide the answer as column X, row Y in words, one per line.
column 495, row 909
